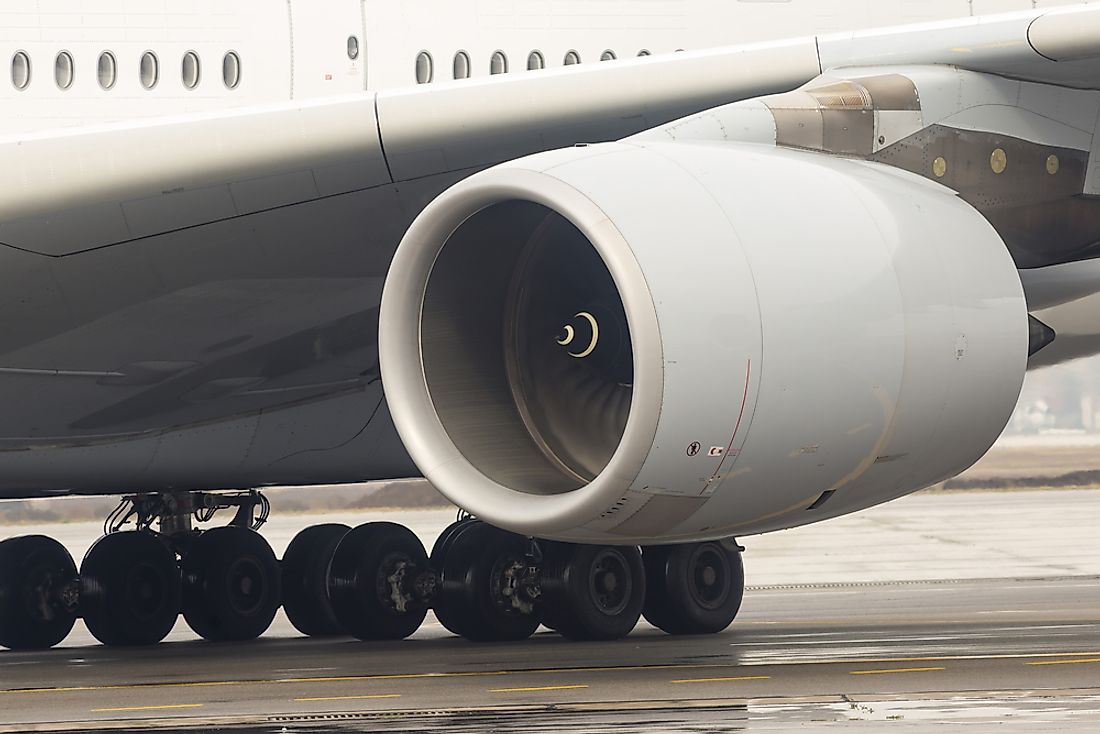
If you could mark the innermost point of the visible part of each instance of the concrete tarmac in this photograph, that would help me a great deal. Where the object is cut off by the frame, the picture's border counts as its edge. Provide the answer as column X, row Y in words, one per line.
column 979, row 611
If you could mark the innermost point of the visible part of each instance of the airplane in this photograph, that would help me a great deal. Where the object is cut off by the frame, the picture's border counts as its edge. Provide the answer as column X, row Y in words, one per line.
column 627, row 282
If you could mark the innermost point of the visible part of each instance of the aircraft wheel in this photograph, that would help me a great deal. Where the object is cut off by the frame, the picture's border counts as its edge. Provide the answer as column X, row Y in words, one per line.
column 38, row 593
column 371, row 578
column 693, row 589
column 305, row 580
column 592, row 592
column 439, row 553
column 231, row 584
column 481, row 594
column 130, row 589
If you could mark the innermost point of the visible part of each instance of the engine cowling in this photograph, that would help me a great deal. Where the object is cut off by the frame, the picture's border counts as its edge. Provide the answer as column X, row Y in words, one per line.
column 639, row 343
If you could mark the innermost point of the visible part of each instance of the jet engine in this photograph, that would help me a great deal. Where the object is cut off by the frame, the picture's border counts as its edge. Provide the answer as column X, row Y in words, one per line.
column 663, row 342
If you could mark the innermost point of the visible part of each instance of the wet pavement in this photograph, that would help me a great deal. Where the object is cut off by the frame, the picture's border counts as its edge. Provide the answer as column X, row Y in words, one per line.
column 978, row 612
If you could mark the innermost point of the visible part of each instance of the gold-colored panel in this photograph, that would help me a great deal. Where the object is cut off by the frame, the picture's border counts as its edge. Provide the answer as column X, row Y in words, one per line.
column 998, row 160
column 939, row 167
column 848, row 132
column 839, row 117
column 1043, row 219
column 892, row 92
column 799, row 128
column 1053, row 164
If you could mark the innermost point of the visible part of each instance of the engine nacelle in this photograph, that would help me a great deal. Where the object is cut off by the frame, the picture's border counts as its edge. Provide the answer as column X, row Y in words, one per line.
column 638, row 343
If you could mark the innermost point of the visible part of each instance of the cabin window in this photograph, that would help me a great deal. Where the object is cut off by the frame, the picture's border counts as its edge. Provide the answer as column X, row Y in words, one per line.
column 644, row 52
column 572, row 58
column 107, row 70
column 462, row 65
column 149, row 70
column 21, row 70
column 192, row 70
column 353, row 47
column 499, row 63
column 64, row 70
column 536, row 61
column 608, row 55
column 231, row 70
column 425, row 68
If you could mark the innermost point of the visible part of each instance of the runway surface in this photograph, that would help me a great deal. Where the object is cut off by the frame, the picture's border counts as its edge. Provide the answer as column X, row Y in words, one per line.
column 980, row 611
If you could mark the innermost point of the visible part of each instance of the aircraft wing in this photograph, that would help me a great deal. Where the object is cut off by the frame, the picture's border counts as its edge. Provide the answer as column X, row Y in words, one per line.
column 70, row 191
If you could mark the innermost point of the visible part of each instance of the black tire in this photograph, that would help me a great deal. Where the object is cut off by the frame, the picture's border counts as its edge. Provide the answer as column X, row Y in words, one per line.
column 130, row 589
column 473, row 574
column 448, row 617
column 360, row 586
column 592, row 592
column 231, row 584
column 36, row 612
column 693, row 589
column 305, row 580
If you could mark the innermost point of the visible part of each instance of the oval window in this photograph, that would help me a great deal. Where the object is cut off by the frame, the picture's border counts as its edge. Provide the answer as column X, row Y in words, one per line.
column 64, row 70
column 192, row 71
column 608, row 55
column 425, row 68
column 572, row 58
column 21, row 70
column 499, row 63
column 107, row 70
column 231, row 70
column 149, row 70
column 536, row 61
column 353, row 47
column 462, row 65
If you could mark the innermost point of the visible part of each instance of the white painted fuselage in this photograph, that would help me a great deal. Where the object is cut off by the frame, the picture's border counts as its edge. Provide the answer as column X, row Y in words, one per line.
column 170, row 57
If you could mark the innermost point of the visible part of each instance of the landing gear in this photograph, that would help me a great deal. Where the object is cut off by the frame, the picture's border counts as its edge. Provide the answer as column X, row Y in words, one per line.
column 374, row 582
column 130, row 589
column 592, row 592
column 231, row 584
column 694, row 589
column 379, row 582
column 487, row 580
column 38, row 593
column 305, row 580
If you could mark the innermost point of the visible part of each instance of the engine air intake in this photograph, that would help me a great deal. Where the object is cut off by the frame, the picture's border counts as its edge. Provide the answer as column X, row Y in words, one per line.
column 531, row 370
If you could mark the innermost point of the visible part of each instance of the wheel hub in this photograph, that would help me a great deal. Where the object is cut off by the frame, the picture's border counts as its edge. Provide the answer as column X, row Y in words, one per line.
column 709, row 578
column 609, row 582
column 145, row 591
column 246, row 586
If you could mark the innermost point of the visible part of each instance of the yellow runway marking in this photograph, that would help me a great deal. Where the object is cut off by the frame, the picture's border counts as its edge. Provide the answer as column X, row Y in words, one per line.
column 1067, row 662
column 349, row 698
column 722, row 680
column 544, row 671
column 536, row 688
column 894, row 670
column 150, row 708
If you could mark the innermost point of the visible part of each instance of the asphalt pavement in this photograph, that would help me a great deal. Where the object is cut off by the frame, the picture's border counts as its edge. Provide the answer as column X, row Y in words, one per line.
column 980, row 612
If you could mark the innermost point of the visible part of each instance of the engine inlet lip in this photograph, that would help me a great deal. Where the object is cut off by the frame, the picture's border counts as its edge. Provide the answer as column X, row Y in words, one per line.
column 406, row 385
